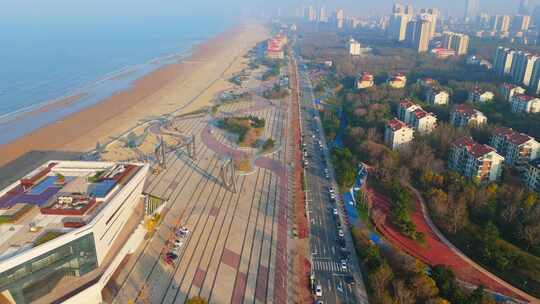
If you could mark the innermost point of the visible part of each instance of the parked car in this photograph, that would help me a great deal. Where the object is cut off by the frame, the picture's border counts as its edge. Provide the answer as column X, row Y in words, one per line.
column 340, row 233
column 344, row 265
column 318, row 290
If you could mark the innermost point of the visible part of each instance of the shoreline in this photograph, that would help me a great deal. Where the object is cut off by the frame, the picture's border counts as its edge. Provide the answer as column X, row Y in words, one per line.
column 170, row 87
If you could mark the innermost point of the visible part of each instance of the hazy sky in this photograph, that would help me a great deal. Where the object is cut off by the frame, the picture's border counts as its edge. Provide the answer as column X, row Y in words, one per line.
column 49, row 10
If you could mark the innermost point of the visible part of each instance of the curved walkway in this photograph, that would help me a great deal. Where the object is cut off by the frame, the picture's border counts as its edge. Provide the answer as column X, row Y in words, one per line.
column 439, row 251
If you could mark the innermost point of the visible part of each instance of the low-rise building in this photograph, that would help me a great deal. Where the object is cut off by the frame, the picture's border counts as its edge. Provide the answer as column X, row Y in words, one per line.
column 276, row 47
column 355, row 48
column 427, row 82
column 443, row 53
column 464, row 116
column 532, row 175
column 517, row 148
column 274, row 50
column 522, row 103
column 437, row 97
column 423, row 122
column 397, row 134
column 508, row 91
column 475, row 160
column 366, row 80
column 398, row 81
column 480, row 96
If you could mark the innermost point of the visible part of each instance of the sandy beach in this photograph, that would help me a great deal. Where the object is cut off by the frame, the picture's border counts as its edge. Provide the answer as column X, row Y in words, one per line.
column 189, row 85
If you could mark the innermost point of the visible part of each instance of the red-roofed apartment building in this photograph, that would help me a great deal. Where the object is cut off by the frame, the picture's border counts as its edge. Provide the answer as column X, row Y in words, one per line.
column 365, row 81
column 474, row 160
column 480, row 96
column 522, row 103
column 508, row 90
column 465, row 115
column 416, row 117
column 397, row 134
column 398, row 81
column 517, row 148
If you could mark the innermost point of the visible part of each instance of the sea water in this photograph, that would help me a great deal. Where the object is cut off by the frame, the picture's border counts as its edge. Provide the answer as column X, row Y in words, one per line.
column 41, row 63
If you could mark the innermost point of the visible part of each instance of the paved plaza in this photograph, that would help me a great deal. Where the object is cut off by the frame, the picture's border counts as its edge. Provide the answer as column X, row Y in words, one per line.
column 236, row 251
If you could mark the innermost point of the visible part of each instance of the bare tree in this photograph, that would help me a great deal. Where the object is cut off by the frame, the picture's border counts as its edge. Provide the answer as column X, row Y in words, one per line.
column 402, row 294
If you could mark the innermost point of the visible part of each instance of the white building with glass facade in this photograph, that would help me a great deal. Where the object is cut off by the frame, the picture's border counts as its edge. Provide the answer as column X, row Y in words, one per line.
column 65, row 229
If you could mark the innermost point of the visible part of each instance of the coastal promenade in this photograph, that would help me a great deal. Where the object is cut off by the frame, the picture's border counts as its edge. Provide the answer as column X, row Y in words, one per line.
column 236, row 251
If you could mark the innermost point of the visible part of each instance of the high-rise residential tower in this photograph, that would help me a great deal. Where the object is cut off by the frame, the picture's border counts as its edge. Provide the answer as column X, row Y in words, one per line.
column 503, row 61
column 419, row 34
column 524, row 7
column 457, row 42
column 397, row 30
column 471, row 9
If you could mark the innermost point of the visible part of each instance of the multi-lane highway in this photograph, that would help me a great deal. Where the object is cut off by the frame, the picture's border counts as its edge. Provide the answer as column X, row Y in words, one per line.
column 336, row 273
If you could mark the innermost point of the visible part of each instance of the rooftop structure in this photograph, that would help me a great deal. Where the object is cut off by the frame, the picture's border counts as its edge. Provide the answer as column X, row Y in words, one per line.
column 66, row 215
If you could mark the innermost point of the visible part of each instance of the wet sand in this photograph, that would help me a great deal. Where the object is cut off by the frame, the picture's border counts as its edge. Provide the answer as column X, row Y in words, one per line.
column 189, row 85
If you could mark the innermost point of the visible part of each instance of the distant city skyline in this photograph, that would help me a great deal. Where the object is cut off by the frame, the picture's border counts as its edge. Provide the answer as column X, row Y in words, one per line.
column 455, row 8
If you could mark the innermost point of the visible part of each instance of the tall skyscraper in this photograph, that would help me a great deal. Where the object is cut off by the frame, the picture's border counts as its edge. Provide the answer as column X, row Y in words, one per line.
column 521, row 23
column 471, row 9
column 534, row 85
column 312, row 14
column 409, row 9
column 500, row 23
column 429, row 15
column 502, row 63
column 340, row 18
column 457, row 42
column 398, row 8
column 524, row 7
column 522, row 68
column 323, row 15
column 397, row 29
column 419, row 34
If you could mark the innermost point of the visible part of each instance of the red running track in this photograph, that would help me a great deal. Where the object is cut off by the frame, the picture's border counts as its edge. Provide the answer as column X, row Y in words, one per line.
column 435, row 252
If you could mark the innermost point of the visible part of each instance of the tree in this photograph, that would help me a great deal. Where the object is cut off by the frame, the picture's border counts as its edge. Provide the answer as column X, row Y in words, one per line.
column 457, row 215
column 424, row 287
column 402, row 294
column 530, row 234
column 380, row 278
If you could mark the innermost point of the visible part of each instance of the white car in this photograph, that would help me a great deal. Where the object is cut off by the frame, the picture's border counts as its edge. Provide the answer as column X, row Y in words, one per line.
column 343, row 265
column 335, row 211
column 340, row 233
column 318, row 291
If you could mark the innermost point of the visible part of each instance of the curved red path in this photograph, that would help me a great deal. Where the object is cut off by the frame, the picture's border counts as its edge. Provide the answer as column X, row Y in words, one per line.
column 435, row 252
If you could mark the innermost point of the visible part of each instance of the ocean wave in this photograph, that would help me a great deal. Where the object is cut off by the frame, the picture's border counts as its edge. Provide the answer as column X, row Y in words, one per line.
column 116, row 75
